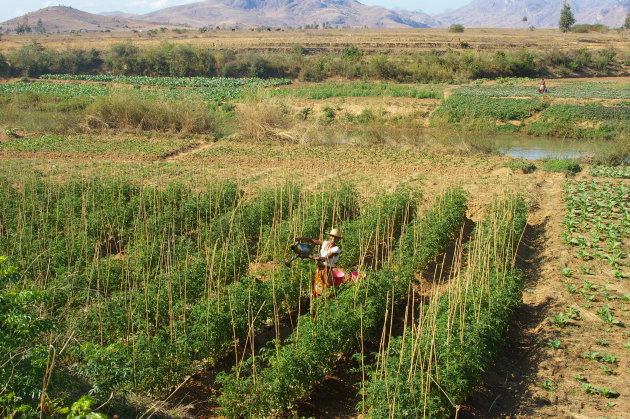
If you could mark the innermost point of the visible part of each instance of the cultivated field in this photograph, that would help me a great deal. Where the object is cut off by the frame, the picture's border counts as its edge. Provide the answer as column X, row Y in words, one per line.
column 144, row 222
column 334, row 40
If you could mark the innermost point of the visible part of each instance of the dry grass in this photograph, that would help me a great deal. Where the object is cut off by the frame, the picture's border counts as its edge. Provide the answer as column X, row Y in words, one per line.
column 265, row 121
column 334, row 40
column 120, row 111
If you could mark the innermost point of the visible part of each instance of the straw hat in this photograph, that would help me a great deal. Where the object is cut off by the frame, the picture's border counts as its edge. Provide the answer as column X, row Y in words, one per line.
column 335, row 233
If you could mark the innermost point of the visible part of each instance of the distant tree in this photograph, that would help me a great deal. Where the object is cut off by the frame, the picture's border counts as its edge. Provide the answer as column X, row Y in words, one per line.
column 456, row 27
column 566, row 18
column 23, row 27
column 39, row 28
column 298, row 49
column 352, row 53
column 626, row 24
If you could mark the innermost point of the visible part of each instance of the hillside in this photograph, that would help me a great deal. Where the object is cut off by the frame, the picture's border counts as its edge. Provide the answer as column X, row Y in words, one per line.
column 539, row 13
column 291, row 13
column 66, row 19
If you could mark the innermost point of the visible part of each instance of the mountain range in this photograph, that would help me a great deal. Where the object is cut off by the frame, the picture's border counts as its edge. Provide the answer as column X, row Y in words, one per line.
column 538, row 13
column 67, row 19
column 340, row 13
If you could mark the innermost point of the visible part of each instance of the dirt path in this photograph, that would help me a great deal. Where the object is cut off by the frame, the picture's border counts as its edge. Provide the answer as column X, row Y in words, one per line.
column 181, row 153
column 532, row 378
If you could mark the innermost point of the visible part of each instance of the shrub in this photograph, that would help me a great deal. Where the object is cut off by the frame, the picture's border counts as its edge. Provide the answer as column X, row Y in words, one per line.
column 383, row 68
column 561, row 166
column 457, row 109
column 125, row 111
column 352, row 53
column 585, row 28
column 315, row 70
column 262, row 121
column 4, row 66
column 521, row 165
column 456, row 27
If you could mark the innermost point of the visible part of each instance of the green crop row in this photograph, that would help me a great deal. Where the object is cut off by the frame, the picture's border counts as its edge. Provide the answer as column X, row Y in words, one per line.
column 358, row 89
column 91, row 145
column 562, row 91
column 597, row 220
column 55, row 89
column 588, row 121
column 432, row 368
column 272, row 381
column 225, row 318
column 620, row 172
column 212, row 82
column 466, row 108
column 581, row 113
column 69, row 90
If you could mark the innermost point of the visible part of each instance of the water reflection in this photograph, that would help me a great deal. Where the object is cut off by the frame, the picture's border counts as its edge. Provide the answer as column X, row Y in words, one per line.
column 532, row 148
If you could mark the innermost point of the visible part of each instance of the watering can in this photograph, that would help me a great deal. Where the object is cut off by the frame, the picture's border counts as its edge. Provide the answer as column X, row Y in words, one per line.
column 301, row 250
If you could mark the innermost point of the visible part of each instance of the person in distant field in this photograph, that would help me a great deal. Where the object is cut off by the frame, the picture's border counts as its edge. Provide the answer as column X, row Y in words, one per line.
column 543, row 86
column 329, row 253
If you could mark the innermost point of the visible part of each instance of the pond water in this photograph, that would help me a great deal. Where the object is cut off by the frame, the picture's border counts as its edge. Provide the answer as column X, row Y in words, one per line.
column 533, row 148
column 518, row 146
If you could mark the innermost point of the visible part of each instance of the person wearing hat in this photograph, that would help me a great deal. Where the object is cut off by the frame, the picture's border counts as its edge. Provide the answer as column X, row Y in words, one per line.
column 329, row 253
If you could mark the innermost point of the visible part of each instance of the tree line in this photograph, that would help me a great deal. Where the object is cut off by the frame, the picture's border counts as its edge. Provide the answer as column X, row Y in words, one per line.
column 178, row 60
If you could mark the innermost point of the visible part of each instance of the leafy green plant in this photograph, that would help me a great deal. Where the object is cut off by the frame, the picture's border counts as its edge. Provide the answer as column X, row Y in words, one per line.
column 571, row 288
column 82, row 409
column 593, row 356
column 559, row 319
column 562, row 166
column 554, row 343
column 522, row 166
column 549, row 385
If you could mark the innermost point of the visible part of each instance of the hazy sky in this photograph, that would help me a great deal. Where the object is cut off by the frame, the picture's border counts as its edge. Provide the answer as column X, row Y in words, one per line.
column 13, row 8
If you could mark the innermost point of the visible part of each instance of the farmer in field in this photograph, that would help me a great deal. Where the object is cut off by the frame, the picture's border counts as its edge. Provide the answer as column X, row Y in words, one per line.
column 329, row 252
column 543, row 87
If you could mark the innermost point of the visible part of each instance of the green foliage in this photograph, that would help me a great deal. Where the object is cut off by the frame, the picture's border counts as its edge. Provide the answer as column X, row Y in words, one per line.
column 561, row 166
column 585, row 28
column 179, row 60
column 352, row 53
column 456, row 27
column 582, row 121
column 460, row 334
column 82, row 409
column 147, row 280
column 597, row 220
column 327, row 90
column 578, row 90
column 91, row 145
column 293, row 368
column 24, row 352
column 482, row 112
column 177, row 81
column 619, row 172
column 566, row 18
column 522, row 166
